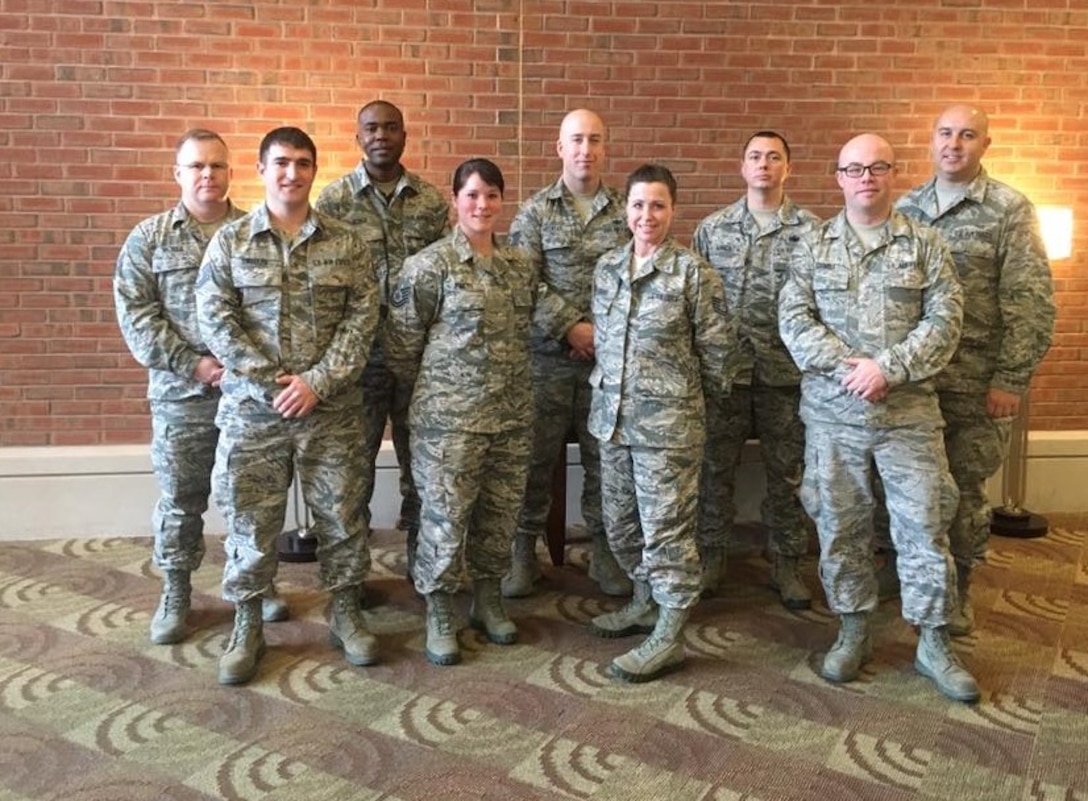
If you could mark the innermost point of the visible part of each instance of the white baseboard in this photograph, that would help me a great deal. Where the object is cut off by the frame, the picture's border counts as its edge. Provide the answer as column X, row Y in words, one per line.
column 108, row 490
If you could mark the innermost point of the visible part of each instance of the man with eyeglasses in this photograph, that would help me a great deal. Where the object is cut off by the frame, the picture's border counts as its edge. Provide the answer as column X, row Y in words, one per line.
column 1001, row 262
column 871, row 313
column 153, row 293
column 399, row 214
column 750, row 243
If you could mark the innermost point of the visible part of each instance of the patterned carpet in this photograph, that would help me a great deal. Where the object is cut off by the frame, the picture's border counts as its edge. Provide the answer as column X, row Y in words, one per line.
column 89, row 709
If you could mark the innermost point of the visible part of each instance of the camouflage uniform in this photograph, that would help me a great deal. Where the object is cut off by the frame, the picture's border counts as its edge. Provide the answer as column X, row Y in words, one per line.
column 269, row 307
column 754, row 264
column 563, row 249
column 901, row 305
column 663, row 344
column 153, row 289
column 416, row 216
column 1007, row 328
column 459, row 333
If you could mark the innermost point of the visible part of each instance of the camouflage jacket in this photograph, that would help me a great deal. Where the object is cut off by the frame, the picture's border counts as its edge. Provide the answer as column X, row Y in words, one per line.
column 663, row 342
column 268, row 308
column 899, row 304
column 459, row 332
column 417, row 215
column 754, row 264
column 563, row 250
column 1008, row 319
column 153, row 291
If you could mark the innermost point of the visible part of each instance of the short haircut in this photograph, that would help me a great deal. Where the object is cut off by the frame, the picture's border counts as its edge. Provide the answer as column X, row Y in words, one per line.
column 488, row 171
column 376, row 103
column 289, row 136
column 198, row 135
column 652, row 174
column 767, row 135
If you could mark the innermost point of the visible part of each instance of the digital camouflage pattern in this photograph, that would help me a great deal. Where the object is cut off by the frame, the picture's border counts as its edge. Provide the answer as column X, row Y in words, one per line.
column 308, row 307
column 664, row 343
column 153, row 290
column 563, row 249
column 470, row 485
column 154, row 295
column 901, row 305
column 837, row 493
column 649, row 503
column 754, row 264
column 771, row 413
column 1008, row 321
column 395, row 228
column 459, row 332
column 1008, row 325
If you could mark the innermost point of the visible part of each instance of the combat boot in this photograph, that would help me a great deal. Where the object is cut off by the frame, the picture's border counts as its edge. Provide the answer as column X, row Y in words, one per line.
column 637, row 616
column 441, row 647
column 168, row 624
column 786, row 579
column 347, row 628
column 524, row 569
column 936, row 660
column 487, row 613
column 660, row 653
column 238, row 664
column 273, row 607
column 713, row 561
column 605, row 570
column 887, row 577
column 852, row 649
column 962, row 621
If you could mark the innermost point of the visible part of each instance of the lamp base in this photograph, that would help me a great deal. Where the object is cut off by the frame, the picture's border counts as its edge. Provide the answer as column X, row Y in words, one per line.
column 292, row 546
column 1018, row 523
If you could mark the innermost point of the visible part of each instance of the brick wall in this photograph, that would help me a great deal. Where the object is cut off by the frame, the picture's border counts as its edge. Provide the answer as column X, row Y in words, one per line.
column 94, row 93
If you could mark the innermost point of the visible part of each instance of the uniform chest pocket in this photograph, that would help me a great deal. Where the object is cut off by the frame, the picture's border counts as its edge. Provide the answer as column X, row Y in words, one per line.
column 258, row 285
column 829, row 277
column 172, row 261
column 330, row 291
column 466, row 309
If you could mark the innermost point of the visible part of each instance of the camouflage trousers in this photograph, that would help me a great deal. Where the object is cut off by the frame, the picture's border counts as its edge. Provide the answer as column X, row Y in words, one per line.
column 772, row 414
column 183, row 440
column 649, row 504
column 384, row 399
column 561, row 395
column 976, row 445
column 837, row 493
column 471, row 487
column 255, row 464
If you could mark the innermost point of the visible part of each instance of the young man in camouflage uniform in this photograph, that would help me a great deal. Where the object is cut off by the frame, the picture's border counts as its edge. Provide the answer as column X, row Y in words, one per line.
column 153, row 291
column 563, row 229
column 663, row 345
column 871, row 313
column 750, row 244
column 399, row 214
column 287, row 300
column 1001, row 262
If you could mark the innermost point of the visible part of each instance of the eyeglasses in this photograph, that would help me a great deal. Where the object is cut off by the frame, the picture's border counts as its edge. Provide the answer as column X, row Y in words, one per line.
column 198, row 166
column 876, row 169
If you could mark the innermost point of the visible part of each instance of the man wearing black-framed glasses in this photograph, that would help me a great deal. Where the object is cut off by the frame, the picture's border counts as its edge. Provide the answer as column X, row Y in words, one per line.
column 871, row 313
column 153, row 288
